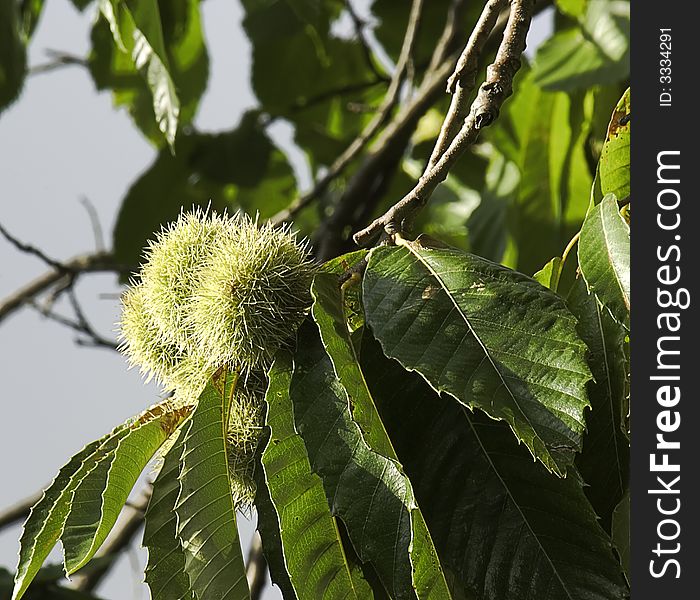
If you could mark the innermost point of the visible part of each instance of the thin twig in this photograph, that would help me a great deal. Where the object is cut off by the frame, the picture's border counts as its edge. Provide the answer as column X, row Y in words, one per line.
column 80, row 324
column 359, row 26
column 60, row 59
column 29, row 249
column 462, row 82
column 484, row 110
column 371, row 179
column 94, row 222
column 256, row 568
column 19, row 511
column 359, row 143
column 84, row 263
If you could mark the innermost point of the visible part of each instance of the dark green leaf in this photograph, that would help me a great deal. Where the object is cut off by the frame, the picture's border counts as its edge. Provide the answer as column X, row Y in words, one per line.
column 206, row 515
column 165, row 572
column 368, row 491
column 329, row 312
column 311, row 78
column 30, row 11
column 604, row 257
column 13, row 56
column 491, row 337
column 545, row 135
column 604, row 462
column 312, row 547
column 595, row 51
column 621, row 532
column 504, row 527
column 100, row 496
column 614, row 167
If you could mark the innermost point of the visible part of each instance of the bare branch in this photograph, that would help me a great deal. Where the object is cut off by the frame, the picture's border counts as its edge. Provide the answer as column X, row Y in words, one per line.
column 29, row 249
column 83, row 263
column 59, row 60
column 80, row 323
column 256, row 568
column 19, row 511
column 461, row 83
column 484, row 110
column 359, row 143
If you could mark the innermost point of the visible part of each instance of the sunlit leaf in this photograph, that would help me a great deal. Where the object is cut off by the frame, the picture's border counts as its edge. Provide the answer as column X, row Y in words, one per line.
column 545, row 136
column 206, row 516
column 493, row 338
column 604, row 257
column 100, row 496
column 595, row 51
column 165, row 571
column 614, row 167
column 49, row 518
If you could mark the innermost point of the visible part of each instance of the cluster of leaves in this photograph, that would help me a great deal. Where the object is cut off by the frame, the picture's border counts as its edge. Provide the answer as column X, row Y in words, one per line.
column 445, row 427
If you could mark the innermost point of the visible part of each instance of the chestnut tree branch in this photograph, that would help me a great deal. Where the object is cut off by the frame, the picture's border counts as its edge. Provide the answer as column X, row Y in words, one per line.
column 359, row 143
column 484, row 110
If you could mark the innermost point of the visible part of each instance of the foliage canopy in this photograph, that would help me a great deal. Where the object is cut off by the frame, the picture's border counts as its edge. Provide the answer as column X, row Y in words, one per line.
column 451, row 418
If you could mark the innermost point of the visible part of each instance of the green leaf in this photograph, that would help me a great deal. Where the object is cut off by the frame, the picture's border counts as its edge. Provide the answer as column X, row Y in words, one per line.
column 30, row 12
column 329, row 313
column 621, row 532
column 100, row 496
column 593, row 52
column 504, row 527
column 240, row 168
column 303, row 73
column 545, row 135
column 488, row 226
column 165, row 572
column 312, row 548
column 137, row 31
column 13, row 56
column 548, row 275
column 364, row 489
column 614, row 167
column 112, row 64
column 46, row 520
column 604, row 462
column 604, row 257
column 491, row 337
column 573, row 8
column 206, row 515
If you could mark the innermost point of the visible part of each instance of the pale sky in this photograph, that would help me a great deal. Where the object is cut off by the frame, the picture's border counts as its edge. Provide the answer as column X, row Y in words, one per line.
column 62, row 141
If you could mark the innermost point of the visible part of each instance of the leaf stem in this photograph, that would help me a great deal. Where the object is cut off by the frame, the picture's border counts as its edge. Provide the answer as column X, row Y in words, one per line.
column 565, row 254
